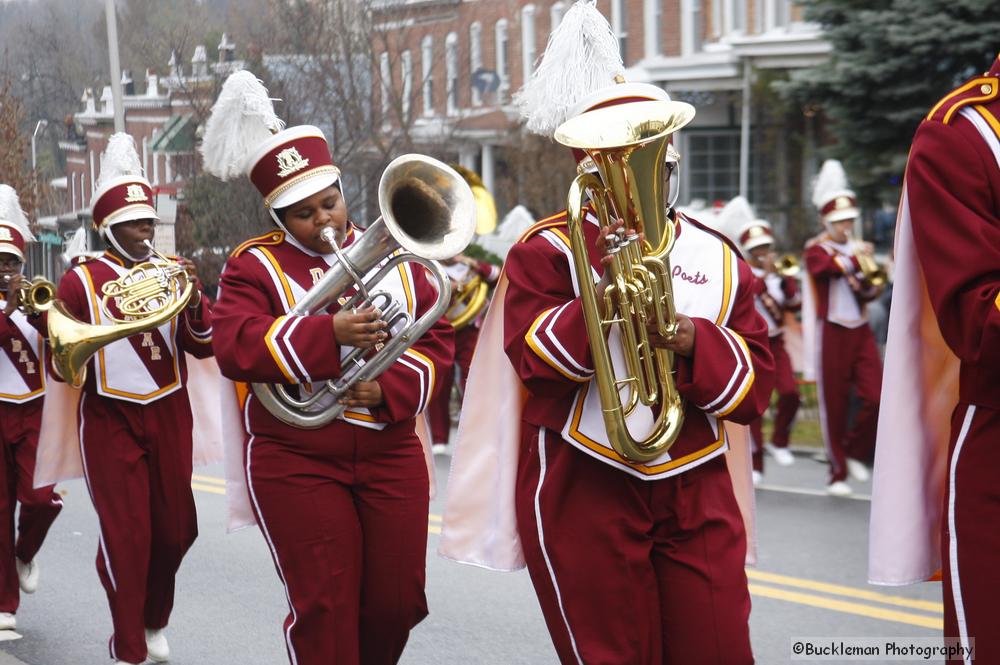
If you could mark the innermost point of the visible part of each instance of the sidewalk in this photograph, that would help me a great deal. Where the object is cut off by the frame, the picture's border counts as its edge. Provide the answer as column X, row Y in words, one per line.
column 7, row 659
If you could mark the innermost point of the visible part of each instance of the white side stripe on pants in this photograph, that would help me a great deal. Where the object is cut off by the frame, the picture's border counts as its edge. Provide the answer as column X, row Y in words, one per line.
column 956, row 584
column 541, row 540
column 267, row 536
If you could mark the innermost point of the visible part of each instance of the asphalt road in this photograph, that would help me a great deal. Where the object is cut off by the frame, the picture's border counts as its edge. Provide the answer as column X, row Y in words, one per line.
column 809, row 582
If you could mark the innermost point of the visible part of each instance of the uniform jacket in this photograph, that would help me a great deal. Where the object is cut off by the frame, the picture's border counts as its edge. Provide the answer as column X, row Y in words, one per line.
column 262, row 282
column 143, row 367
column 729, row 376
column 827, row 263
column 775, row 294
column 944, row 328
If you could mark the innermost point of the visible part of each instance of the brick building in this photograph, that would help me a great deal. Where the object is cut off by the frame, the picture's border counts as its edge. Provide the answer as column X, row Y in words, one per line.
column 162, row 119
column 447, row 70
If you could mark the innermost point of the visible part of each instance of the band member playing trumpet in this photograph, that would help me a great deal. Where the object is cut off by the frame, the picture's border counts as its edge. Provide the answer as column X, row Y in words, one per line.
column 471, row 281
column 844, row 348
column 776, row 294
column 342, row 501
column 22, row 392
column 616, row 537
column 134, row 417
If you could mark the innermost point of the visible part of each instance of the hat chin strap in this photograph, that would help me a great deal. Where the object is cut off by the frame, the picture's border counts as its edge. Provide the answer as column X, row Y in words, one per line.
column 110, row 237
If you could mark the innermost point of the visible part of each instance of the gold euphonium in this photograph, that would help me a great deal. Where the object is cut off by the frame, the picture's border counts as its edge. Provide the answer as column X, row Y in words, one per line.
column 468, row 301
column 149, row 295
column 628, row 145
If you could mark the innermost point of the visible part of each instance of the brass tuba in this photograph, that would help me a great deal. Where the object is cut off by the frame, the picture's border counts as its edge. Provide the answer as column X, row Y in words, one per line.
column 148, row 296
column 628, row 145
column 428, row 211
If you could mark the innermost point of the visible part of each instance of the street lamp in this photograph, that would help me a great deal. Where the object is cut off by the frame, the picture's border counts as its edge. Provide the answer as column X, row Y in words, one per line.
column 39, row 128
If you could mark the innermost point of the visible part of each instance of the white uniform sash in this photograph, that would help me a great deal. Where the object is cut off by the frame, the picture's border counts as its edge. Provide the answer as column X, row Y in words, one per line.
column 13, row 387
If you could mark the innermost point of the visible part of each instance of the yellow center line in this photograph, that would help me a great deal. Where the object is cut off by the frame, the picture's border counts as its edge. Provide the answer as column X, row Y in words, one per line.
column 847, row 607
column 840, row 590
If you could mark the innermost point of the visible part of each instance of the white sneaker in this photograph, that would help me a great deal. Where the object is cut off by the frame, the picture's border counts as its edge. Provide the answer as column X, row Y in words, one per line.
column 157, row 648
column 783, row 456
column 440, row 449
column 7, row 621
column 839, row 488
column 757, row 477
column 858, row 470
column 27, row 575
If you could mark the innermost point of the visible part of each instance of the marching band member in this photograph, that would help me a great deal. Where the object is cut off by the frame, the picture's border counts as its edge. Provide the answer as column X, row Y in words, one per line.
column 134, row 418
column 463, row 271
column 22, row 393
column 776, row 294
column 616, row 550
column 344, row 507
column 843, row 346
column 935, row 501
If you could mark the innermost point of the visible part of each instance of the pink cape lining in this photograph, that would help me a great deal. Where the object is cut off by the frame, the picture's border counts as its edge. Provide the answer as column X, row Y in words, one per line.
column 919, row 393
column 480, row 525
column 58, row 456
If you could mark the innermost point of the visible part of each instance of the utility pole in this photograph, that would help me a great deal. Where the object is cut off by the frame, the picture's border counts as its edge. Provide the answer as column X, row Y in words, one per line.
column 116, row 70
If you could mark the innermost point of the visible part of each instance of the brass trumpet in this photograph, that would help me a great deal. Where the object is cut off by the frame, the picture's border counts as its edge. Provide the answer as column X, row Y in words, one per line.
column 33, row 293
column 787, row 265
column 870, row 268
column 628, row 145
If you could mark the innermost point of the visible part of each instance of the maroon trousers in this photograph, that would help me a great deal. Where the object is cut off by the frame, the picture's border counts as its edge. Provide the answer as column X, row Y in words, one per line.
column 787, row 407
column 344, row 511
column 137, row 462
column 629, row 571
column 970, row 539
column 19, row 424
column 438, row 409
column 847, row 357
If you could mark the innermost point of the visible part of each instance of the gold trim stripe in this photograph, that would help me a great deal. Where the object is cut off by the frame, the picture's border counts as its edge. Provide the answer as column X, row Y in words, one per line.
column 288, row 184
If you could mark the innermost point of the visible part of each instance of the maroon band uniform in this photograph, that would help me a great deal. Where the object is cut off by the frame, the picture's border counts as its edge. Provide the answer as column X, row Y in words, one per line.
column 465, row 344
column 343, row 507
column 135, row 429
column 846, row 354
column 22, row 393
column 776, row 295
column 953, row 187
column 647, row 528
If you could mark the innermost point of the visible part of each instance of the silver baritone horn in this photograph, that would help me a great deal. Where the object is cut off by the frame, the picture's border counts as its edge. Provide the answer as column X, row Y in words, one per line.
column 428, row 211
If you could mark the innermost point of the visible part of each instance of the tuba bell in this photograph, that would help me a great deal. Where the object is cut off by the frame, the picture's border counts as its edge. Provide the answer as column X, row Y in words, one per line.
column 628, row 145
column 148, row 296
column 428, row 212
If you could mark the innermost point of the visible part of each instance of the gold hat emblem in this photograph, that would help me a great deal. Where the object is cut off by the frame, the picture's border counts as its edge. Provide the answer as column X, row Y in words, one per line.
column 290, row 161
column 135, row 193
column 757, row 231
column 842, row 202
column 5, row 234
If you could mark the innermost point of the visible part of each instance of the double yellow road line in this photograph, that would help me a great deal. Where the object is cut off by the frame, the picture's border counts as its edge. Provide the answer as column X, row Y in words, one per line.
column 827, row 596
column 822, row 595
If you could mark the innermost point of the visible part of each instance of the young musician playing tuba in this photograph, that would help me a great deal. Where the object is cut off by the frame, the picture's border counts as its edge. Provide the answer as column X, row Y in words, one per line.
column 632, row 561
column 22, row 393
column 343, row 506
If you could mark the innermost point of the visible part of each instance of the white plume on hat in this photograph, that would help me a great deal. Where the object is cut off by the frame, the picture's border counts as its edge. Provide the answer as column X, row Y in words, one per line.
column 830, row 183
column 582, row 56
column 119, row 159
column 75, row 246
column 10, row 212
column 513, row 226
column 242, row 119
column 733, row 217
